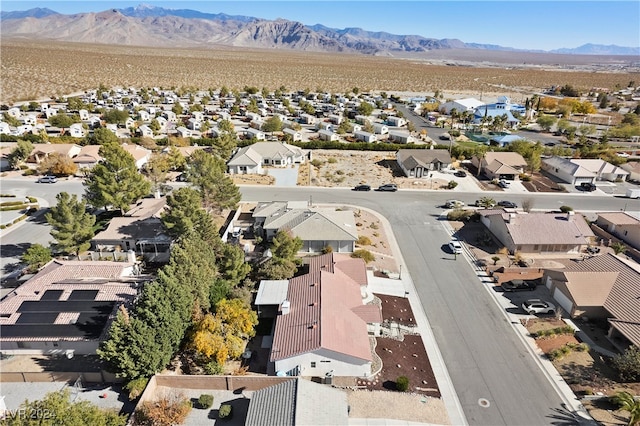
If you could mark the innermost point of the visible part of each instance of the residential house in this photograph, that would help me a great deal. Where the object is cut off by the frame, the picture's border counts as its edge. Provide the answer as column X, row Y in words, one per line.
column 602, row 169
column 394, row 120
column 66, row 307
column 88, row 157
column 522, row 232
column 326, row 135
column 251, row 159
column 363, row 119
column 139, row 230
column 257, row 124
column 144, row 115
column 460, row 105
column 380, row 129
column 194, row 123
column 256, row 134
column 5, row 129
column 295, row 402
column 633, row 167
column 567, row 171
column 600, row 287
column 77, row 130
column 42, row 151
column 145, row 131
column 140, row 154
column 419, row 162
column 325, row 125
column 183, row 132
column 308, row 119
column 400, row 137
column 323, row 326
column 365, row 136
column 498, row 109
column 295, row 135
column 500, row 165
column 170, row 116
column 31, row 119
column 317, row 228
column 336, row 119
column 504, row 140
column 622, row 225
column 14, row 112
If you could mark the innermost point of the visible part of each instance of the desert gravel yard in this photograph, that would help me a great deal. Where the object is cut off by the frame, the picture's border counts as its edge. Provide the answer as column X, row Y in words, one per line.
column 398, row 406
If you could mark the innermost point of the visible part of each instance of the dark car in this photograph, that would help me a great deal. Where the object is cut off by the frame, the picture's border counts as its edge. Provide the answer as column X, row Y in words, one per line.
column 362, row 188
column 518, row 285
column 460, row 173
column 587, row 186
column 507, row 204
column 391, row 187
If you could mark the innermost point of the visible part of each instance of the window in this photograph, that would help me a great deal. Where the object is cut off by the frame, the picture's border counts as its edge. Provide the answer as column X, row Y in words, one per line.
column 325, row 360
column 313, row 364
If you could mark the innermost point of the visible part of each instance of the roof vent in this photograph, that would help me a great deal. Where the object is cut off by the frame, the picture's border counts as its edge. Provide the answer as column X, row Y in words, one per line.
column 285, row 307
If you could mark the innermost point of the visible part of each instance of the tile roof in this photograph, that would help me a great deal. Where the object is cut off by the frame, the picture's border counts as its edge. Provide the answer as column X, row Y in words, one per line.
column 512, row 159
column 253, row 154
column 622, row 299
column 132, row 228
column 410, row 158
column 620, row 218
column 295, row 402
column 567, row 166
column 590, row 288
column 598, row 166
column 325, row 312
column 315, row 224
column 525, row 228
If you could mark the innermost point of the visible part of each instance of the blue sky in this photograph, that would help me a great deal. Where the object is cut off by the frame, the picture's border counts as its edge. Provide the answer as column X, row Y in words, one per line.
column 544, row 24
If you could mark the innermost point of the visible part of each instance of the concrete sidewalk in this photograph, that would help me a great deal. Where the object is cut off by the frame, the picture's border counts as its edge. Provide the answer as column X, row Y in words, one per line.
column 403, row 286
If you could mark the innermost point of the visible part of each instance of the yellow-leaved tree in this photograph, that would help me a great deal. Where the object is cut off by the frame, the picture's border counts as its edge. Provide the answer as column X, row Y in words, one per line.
column 222, row 335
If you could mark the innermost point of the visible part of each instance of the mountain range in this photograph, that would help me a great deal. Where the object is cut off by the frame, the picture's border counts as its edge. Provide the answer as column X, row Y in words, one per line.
column 147, row 25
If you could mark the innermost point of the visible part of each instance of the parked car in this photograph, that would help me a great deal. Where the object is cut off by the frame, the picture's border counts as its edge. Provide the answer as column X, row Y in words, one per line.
column 488, row 203
column 587, row 186
column 460, row 173
column 454, row 204
column 455, row 246
column 538, row 306
column 444, row 137
column 48, row 179
column 390, row 187
column 518, row 285
column 504, row 183
column 508, row 204
column 362, row 188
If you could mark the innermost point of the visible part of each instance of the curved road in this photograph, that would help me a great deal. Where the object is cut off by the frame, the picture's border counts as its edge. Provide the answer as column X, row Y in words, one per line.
column 484, row 356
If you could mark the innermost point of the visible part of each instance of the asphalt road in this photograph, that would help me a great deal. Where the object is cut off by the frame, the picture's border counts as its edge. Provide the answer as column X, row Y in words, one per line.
column 483, row 355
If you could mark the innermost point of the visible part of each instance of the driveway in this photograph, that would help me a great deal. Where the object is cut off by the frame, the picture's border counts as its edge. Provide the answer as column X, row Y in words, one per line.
column 284, row 176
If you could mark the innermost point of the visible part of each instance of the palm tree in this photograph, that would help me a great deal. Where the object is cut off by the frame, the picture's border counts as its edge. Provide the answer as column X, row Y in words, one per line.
column 628, row 402
column 618, row 247
column 454, row 115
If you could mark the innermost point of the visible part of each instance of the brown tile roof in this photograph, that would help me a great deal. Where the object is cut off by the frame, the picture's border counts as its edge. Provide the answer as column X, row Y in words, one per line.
column 622, row 300
column 590, row 288
column 326, row 311
column 512, row 159
column 619, row 218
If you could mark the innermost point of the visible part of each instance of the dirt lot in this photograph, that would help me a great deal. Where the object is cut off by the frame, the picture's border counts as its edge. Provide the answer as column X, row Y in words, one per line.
column 587, row 373
column 541, row 183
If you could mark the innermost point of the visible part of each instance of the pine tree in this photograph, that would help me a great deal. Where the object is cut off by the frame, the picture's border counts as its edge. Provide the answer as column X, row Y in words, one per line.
column 116, row 181
column 218, row 191
column 185, row 214
column 72, row 224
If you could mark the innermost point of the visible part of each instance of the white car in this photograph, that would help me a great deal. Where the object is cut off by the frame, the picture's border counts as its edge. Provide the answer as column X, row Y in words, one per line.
column 454, row 204
column 504, row 183
column 538, row 306
column 455, row 247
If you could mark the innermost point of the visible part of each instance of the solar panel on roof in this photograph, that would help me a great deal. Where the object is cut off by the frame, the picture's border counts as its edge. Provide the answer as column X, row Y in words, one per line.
column 36, row 318
column 52, row 295
column 83, row 295
column 66, row 306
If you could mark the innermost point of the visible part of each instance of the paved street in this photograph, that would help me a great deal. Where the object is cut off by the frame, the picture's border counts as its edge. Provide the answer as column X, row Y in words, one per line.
column 483, row 355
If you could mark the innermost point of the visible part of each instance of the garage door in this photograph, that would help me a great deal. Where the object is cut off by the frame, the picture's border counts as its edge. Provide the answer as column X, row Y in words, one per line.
column 580, row 180
column 548, row 282
column 563, row 300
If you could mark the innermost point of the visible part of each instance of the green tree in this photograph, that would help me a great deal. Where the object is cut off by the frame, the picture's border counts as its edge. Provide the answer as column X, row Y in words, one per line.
column 56, row 408
column 116, row 181
column 72, row 224
column 285, row 246
column 618, row 247
column 20, row 153
column 75, row 104
column 156, row 170
column 546, row 122
column 629, row 403
column 185, row 214
column 103, row 136
column 115, row 116
column 175, row 159
column 207, row 173
column 277, row 269
column 36, row 257
column 365, row 108
column 584, row 131
column 61, row 120
column 272, row 124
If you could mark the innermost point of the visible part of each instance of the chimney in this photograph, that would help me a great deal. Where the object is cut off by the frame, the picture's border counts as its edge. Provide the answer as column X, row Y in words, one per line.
column 511, row 217
column 570, row 214
column 284, row 308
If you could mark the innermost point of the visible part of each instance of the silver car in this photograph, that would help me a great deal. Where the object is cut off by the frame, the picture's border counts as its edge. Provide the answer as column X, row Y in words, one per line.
column 538, row 306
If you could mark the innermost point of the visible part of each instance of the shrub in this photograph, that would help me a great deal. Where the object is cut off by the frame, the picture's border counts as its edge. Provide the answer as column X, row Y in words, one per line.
column 32, row 199
column 29, row 172
column 363, row 240
column 316, row 163
column 136, row 387
column 12, row 208
column 205, row 401
column 7, row 195
column 11, row 203
column 373, row 225
column 627, row 364
column 459, row 214
column 327, row 249
column 365, row 255
column 213, row 368
column 452, row 184
column 495, row 260
column 503, row 250
column 332, row 160
column 169, row 410
column 402, row 383
column 225, row 411
column 566, row 209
